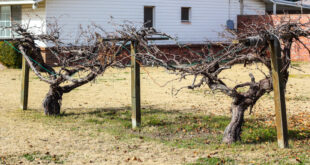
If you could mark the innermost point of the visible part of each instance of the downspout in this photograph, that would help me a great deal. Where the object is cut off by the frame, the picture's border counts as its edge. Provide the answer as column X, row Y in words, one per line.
column 241, row 7
column 301, row 7
column 229, row 8
column 274, row 7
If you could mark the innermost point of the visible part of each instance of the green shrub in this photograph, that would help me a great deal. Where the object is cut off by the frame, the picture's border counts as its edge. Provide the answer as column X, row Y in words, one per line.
column 10, row 57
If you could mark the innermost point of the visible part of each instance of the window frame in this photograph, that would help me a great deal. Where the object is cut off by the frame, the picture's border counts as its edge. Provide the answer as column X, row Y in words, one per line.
column 153, row 15
column 189, row 12
column 8, row 20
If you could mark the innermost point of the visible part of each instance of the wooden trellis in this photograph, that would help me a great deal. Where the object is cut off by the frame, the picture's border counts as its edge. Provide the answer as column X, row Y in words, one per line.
column 25, row 85
column 135, row 81
column 277, row 77
column 279, row 93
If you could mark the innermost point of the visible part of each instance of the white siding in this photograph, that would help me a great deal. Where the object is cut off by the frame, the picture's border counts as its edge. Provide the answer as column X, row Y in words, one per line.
column 254, row 7
column 34, row 18
column 208, row 17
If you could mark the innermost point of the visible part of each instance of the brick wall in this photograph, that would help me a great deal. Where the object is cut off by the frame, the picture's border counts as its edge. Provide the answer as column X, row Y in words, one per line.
column 48, row 57
column 299, row 52
column 190, row 52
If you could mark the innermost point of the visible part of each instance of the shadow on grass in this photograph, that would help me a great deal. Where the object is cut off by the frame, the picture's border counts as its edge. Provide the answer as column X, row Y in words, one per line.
column 177, row 128
column 82, row 111
column 169, row 127
column 255, row 132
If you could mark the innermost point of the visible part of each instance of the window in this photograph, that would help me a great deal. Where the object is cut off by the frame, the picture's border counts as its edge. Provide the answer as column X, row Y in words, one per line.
column 148, row 17
column 185, row 14
column 7, row 15
column 5, row 21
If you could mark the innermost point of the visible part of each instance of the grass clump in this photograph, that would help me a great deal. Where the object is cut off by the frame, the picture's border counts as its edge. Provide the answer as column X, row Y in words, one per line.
column 213, row 161
column 44, row 158
column 29, row 157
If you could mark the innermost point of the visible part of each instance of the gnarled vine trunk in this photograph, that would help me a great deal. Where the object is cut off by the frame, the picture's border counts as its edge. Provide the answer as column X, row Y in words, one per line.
column 233, row 130
column 240, row 104
column 52, row 101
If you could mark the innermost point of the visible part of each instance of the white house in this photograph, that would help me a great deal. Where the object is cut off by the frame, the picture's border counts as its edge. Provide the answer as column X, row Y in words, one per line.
column 191, row 21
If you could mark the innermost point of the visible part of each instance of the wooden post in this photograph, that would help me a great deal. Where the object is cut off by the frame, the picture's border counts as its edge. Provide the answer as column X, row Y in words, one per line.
column 135, row 87
column 279, row 93
column 24, row 85
column 135, row 79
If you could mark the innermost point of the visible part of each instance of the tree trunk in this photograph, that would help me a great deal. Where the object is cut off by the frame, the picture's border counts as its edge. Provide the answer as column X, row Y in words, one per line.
column 233, row 130
column 52, row 101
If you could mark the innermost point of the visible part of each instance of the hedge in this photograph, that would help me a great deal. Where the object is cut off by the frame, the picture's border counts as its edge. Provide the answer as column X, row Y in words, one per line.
column 10, row 57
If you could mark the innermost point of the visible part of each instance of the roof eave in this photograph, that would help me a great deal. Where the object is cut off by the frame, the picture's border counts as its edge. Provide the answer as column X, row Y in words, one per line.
column 288, row 3
column 27, row 2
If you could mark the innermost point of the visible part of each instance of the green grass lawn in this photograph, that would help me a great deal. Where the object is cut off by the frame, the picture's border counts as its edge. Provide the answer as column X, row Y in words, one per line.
column 186, row 130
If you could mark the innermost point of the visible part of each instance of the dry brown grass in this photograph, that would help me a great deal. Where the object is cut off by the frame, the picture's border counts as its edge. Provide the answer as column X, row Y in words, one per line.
column 27, row 135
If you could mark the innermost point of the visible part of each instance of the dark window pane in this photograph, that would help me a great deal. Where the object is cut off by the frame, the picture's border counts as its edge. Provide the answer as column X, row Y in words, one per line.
column 17, row 14
column 185, row 14
column 148, row 16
